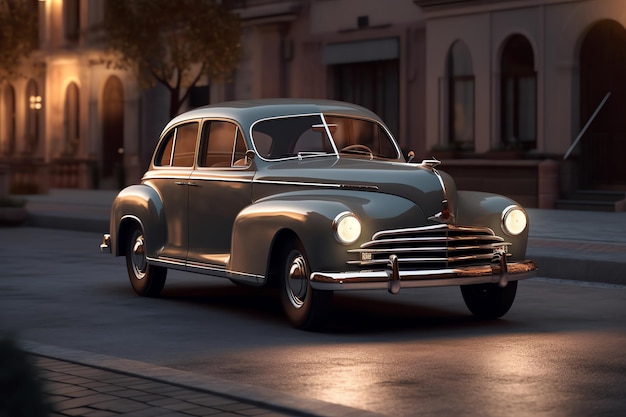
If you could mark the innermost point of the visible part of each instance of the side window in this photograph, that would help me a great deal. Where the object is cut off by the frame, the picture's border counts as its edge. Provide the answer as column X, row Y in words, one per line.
column 185, row 148
column 178, row 146
column 222, row 145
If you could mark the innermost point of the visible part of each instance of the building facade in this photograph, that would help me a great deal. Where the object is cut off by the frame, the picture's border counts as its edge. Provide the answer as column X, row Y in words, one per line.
column 498, row 90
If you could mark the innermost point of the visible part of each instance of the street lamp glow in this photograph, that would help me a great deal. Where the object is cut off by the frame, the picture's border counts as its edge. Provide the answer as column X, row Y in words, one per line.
column 35, row 102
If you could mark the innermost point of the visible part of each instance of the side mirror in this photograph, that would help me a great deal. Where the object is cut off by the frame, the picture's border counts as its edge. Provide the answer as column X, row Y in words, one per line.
column 411, row 155
column 249, row 156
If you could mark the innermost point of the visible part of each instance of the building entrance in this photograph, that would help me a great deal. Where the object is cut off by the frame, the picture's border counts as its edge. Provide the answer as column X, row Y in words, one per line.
column 602, row 69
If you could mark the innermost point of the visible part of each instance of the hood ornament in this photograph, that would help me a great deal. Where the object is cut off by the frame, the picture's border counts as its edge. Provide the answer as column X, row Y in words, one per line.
column 445, row 216
column 430, row 163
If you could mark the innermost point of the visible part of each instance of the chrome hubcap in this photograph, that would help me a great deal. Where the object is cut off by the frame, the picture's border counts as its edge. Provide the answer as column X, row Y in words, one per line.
column 297, row 281
column 138, row 257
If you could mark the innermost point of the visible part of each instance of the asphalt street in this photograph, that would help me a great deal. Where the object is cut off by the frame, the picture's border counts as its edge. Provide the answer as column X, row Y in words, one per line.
column 559, row 351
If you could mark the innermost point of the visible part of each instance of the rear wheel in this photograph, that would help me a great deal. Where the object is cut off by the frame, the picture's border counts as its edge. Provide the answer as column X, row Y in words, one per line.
column 305, row 307
column 489, row 301
column 147, row 280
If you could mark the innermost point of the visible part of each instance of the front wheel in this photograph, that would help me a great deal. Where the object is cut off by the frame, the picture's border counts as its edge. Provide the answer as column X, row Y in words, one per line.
column 147, row 280
column 489, row 301
column 305, row 307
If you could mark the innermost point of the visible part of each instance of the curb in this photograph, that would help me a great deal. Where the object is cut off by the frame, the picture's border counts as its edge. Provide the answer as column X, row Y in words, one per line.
column 267, row 398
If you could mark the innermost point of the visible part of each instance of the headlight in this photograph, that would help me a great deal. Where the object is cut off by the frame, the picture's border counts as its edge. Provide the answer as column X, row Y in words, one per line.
column 347, row 228
column 514, row 220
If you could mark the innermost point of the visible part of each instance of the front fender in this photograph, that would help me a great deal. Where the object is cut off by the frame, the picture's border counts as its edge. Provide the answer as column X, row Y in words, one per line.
column 309, row 215
column 485, row 209
column 140, row 204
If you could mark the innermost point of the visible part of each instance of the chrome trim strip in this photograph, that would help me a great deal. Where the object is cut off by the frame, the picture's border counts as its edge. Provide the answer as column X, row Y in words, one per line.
column 166, row 262
column 430, row 249
column 222, row 179
column 357, row 187
column 485, row 256
column 379, row 242
column 384, row 279
column 312, row 184
column 208, row 270
column 435, row 227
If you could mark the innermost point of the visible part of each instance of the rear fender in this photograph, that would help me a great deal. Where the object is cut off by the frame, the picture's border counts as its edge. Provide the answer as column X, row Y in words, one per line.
column 138, row 204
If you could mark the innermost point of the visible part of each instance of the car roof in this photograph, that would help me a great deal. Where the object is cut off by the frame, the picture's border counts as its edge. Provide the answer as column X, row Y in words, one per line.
column 247, row 112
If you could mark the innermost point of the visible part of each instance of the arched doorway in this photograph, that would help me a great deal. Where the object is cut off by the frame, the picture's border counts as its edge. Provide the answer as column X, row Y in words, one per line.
column 71, row 119
column 602, row 69
column 518, row 89
column 113, row 129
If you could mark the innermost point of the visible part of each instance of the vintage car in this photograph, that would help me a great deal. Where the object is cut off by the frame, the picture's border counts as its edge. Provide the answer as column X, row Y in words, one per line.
column 312, row 196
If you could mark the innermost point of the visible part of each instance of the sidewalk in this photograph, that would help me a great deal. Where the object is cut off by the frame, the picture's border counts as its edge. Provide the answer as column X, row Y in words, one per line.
column 85, row 384
column 572, row 245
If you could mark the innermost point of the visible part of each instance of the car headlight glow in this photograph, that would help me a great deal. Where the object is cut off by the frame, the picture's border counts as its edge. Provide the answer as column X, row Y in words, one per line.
column 347, row 228
column 514, row 220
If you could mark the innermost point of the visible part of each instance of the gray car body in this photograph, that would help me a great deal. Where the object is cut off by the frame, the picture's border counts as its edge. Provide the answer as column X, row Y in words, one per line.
column 228, row 221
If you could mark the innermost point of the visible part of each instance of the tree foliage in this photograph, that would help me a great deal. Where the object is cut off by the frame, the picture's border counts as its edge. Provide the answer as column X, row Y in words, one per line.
column 18, row 34
column 174, row 43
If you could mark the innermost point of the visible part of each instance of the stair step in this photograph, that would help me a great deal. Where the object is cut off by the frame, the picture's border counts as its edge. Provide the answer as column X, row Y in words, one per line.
column 590, row 205
column 597, row 195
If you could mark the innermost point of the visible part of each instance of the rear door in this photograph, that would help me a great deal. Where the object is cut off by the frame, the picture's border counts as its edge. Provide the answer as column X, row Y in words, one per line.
column 173, row 165
column 220, row 187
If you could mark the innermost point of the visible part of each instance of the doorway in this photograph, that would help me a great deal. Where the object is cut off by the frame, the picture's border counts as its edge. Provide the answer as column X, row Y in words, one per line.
column 602, row 69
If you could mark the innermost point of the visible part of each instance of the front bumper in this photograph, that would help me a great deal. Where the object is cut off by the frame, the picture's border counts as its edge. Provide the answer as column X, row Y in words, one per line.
column 393, row 279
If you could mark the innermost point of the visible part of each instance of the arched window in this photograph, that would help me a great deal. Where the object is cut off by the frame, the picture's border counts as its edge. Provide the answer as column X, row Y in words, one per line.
column 72, row 120
column 460, row 97
column 518, row 95
column 8, row 120
column 71, row 16
column 112, row 126
column 33, row 108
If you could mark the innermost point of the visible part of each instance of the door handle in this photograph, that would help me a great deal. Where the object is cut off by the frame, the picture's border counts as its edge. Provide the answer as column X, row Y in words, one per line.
column 189, row 183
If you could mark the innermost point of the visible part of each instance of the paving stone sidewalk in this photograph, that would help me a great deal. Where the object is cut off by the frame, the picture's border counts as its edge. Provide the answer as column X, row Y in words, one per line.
column 79, row 390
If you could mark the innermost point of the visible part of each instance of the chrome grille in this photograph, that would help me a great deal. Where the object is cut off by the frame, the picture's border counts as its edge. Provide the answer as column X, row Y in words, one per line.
column 428, row 247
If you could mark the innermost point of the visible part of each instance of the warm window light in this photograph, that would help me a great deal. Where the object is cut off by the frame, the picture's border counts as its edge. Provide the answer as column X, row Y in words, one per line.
column 35, row 101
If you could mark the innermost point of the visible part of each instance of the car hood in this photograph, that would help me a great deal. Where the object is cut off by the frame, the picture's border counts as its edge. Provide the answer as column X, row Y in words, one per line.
column 415, row 182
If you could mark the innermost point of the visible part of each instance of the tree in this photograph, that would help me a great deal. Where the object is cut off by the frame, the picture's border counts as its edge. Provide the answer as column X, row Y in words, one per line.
column 18, row 34
column 174, row 43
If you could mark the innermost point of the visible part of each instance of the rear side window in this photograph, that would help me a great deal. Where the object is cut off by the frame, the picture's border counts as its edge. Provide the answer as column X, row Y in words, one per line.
column 178, row 146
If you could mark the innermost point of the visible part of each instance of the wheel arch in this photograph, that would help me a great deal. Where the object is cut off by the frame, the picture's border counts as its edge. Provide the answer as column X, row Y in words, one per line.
column 138, row 204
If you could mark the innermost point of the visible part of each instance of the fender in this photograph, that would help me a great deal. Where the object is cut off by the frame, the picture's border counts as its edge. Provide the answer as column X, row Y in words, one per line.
column 309, row 215
column 139, row 203
column 485, row 209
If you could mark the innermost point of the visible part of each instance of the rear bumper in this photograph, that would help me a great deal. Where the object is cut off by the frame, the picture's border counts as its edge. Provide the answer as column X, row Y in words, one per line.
column 105, row 246
column 393, row 279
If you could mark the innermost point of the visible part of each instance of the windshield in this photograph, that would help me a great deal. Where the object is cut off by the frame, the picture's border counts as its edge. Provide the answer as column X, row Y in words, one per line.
column 308, row 136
